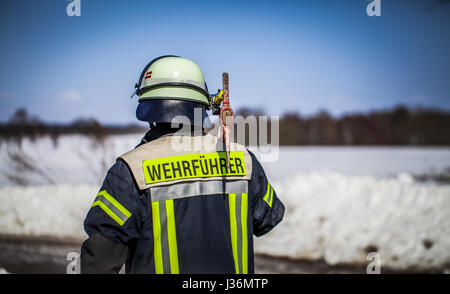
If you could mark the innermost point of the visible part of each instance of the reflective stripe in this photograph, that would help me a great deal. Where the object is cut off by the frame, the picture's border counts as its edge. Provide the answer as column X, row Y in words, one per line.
column 111, row 207
column 244, row 210
column 155, row 81
column 269, row 194
column 172, row 240
column 157, row 251
column 238, row 204
column 233, row 228
column 199, row 188
column 164, row 235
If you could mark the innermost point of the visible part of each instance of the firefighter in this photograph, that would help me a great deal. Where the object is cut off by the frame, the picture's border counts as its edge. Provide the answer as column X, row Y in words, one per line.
column 164, row 208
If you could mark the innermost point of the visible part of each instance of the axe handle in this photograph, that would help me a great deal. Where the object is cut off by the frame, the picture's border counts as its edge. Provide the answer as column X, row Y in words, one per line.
column 226, row 90
column 225, row 112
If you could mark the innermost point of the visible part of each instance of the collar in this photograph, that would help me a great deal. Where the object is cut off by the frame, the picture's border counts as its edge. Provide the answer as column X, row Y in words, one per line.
column 162, row 130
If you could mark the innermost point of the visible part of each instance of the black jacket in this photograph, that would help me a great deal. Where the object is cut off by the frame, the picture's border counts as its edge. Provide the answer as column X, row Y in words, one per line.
column 202, row 234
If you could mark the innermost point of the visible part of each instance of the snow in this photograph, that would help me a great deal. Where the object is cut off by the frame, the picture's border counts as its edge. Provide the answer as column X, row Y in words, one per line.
column 340, row 202
column 339, row 218
column 49, row 210
column 329, row 215
column 374, row 161
column 75, row 159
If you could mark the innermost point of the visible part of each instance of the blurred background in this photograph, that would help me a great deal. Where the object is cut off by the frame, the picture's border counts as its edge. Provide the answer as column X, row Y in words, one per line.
column 363, row 105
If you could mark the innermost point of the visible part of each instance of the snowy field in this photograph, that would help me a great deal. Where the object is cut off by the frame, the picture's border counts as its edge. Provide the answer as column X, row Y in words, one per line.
column 341, row 202
column 79, row 160
column 341, row 218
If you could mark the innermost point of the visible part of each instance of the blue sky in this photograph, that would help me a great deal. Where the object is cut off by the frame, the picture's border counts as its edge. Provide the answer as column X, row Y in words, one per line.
column 281, row 55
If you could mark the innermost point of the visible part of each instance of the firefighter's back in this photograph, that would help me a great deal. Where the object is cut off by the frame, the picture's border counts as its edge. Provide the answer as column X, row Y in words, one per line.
column 198, row 208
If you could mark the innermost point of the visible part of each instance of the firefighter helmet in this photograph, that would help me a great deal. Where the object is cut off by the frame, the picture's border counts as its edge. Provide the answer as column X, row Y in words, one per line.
column 171, row 86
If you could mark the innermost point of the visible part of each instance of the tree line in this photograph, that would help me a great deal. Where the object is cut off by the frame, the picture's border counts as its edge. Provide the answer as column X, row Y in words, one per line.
column 23, row 125
column 397, row 126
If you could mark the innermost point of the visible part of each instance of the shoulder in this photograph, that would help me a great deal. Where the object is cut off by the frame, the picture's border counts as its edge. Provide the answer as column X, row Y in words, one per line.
column 121, row 173
column 145, row 147
column 119, row 168
column 257, row 168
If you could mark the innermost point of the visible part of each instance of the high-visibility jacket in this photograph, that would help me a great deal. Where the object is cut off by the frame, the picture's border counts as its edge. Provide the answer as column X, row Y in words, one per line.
column 167, row 211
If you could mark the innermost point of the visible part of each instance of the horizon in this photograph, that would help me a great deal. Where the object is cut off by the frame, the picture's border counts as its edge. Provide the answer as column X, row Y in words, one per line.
column 31, row 117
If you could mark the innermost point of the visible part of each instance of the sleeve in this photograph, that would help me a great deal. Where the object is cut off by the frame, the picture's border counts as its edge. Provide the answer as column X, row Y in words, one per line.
column 267, row 208
column 113, row 221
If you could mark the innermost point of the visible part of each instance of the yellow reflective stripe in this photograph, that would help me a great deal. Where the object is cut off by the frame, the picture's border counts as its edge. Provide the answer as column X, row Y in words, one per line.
column 244, row 206
column 112, row 207
column 201, row 165
column 157, row 239
column 267, row 192
column 268, row 197
column 172, row 238
column 108, row 212
column 233, row 228
column 271, row 196
column 165, row 237
column 238, row 204
column 115, row 203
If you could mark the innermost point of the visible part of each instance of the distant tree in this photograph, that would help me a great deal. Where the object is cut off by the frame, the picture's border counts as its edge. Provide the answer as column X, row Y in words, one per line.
column 19, row 117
